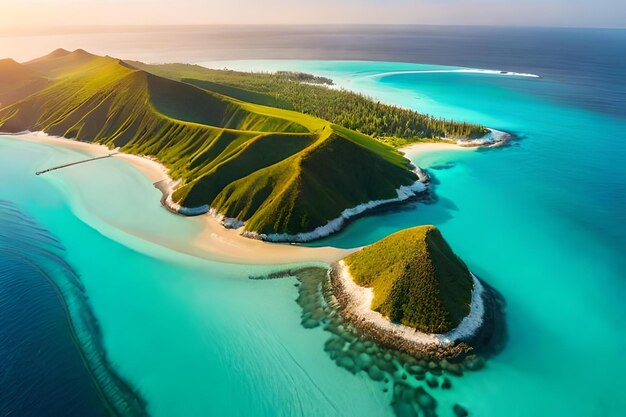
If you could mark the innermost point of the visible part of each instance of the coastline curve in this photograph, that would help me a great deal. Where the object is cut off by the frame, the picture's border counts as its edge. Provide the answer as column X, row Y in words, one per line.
column 404, row 194
column 354, row 304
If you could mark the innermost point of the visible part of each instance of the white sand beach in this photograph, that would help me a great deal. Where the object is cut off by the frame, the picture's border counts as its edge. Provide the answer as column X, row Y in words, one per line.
column 426, row 147
column 358, row 301
column 213, row 241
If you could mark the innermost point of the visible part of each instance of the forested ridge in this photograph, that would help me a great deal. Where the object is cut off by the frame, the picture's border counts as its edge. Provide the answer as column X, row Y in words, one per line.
column 316, row 96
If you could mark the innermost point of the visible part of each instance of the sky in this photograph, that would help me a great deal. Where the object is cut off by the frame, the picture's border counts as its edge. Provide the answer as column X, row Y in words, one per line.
column 570, row 13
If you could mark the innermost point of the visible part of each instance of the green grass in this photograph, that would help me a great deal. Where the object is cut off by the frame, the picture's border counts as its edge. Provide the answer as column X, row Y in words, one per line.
column 417, row 279
column 279, row 170
column 392, row 125
column 315, row 185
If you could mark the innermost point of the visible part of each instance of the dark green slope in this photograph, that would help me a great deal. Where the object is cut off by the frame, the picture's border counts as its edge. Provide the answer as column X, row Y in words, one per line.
column 188, row 103
column 181, row 71
column 316, row 185
column 390, row 124
column 417, row 279
column 281, row 171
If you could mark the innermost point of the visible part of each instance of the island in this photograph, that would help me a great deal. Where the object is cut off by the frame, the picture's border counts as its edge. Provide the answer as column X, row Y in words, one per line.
column 283, row 157
column 409, row 291
column 257, row 160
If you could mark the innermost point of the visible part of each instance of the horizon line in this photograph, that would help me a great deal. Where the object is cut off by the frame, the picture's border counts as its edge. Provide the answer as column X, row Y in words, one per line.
column 96, row 27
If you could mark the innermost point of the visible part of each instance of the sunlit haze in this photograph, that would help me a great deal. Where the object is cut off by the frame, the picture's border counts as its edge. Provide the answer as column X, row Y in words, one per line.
column 579, row 13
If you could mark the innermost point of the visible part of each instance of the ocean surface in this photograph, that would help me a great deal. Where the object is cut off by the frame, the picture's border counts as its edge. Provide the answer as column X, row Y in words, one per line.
column 542, row 220
column 38, row 353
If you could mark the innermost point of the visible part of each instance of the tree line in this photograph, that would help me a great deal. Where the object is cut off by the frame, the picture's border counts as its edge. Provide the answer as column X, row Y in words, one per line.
column 295, row 91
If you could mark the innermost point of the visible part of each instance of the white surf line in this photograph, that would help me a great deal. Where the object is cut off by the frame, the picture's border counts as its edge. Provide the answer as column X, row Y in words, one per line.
column 403, row 193
column 462, row 70
column 491, row 139
column 360, row 301
column 227, row 222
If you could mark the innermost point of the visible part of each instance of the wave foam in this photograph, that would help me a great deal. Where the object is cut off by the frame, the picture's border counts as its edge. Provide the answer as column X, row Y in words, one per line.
column 359, row 301
column 403, row 193
column 492, row 138
column 452, row 71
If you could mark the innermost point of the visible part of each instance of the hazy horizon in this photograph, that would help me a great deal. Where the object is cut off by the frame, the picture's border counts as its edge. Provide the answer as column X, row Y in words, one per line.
column 201, row 43
column 533, row 13
column 7, row 30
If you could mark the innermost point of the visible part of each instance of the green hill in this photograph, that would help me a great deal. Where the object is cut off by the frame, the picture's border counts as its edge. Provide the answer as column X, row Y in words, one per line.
column 307, row 94
column 417, row 279
column 282, row 172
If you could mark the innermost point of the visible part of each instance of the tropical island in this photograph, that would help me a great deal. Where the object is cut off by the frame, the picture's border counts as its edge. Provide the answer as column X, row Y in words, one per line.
column 411, row 292
column 275, row 173
column 256, row 151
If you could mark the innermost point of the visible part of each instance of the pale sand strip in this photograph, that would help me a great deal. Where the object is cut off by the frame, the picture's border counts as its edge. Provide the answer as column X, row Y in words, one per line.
column 212, row 241
column 492, row 139
column 41, row 137
column 357, row 303
column 426, row 147
column 228, row 245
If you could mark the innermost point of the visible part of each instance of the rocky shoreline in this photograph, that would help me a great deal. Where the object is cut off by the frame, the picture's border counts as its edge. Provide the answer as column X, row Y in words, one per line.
column 416, row 344
column 410, row 382
column 406, row 194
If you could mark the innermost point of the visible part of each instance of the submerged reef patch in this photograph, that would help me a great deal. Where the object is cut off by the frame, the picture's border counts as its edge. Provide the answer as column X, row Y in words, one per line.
column 410, row 383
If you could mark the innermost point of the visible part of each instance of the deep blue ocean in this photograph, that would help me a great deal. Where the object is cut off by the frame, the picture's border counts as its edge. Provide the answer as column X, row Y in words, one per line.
column 542, row 220
column 39, row 358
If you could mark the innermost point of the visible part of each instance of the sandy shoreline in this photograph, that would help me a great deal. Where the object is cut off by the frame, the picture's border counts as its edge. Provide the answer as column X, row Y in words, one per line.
column 223, row 244
column 426, row 147
column 493, row 139
column 356, row 301
column 213, row 241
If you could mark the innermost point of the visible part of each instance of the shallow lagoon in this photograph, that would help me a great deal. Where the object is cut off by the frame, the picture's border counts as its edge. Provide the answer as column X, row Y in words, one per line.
column 541, row 220
column 195, row 337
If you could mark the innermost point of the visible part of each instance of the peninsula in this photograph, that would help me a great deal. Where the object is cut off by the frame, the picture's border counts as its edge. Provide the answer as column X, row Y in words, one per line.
column 276, row 174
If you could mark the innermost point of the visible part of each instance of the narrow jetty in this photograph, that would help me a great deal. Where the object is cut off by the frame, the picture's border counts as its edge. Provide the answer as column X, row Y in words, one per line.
column 75, row 163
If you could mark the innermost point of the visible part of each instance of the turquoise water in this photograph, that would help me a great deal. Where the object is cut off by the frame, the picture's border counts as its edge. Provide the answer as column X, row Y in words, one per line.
column 194, row 337
column 38, row 337
column 541, row 220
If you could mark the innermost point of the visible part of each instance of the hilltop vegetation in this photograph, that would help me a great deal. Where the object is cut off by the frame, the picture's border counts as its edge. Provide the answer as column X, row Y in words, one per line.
column 287, row 90
column 280, row 171
column 303, row 77
column 417, row 279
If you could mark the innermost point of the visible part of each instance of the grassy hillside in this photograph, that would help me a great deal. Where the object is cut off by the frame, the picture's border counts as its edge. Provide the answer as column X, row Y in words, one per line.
column 417, row 279
column 281, row 171
column 306, row 93
column 336, row 172
column 18, row 81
